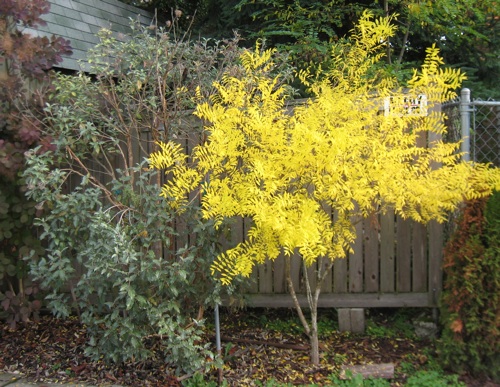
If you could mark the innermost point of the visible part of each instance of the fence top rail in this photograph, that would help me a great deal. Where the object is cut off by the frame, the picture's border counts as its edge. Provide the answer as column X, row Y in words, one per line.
column 485, row 103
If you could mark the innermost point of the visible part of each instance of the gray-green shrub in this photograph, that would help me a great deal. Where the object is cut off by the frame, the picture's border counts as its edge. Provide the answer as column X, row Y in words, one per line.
column 111, row 256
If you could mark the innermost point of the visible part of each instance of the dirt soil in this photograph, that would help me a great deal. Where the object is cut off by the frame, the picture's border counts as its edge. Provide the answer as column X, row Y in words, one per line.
column 257, row 345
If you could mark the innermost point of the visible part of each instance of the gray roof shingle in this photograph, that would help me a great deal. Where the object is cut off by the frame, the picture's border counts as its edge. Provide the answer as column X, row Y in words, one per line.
column 79, row 21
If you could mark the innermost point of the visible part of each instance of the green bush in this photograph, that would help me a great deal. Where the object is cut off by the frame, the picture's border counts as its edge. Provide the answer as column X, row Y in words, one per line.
column 470, row 310
column 128, row 294
column 114, row 253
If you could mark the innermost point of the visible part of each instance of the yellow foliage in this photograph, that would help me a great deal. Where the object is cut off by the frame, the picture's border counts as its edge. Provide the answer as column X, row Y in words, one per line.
column 171, row 159
column 338, row 153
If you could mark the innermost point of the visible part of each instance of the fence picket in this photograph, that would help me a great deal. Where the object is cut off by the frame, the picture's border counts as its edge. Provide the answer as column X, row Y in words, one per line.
column 403, row 254
column 254, row 278
column 279, row 275
column 340, row 275
column 326, row 287
column 296, row 272
column 419, row 264
column 435, row 261
column 371, row 254
column 356, row 262
column 387, row 245
column 265, row 271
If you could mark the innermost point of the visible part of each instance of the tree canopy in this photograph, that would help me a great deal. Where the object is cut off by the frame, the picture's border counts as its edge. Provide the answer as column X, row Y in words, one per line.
column 465, row 31
column 361, row 146
column 336, row 150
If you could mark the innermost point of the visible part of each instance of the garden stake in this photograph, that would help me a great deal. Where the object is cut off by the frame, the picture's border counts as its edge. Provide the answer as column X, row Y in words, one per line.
column 217, row 342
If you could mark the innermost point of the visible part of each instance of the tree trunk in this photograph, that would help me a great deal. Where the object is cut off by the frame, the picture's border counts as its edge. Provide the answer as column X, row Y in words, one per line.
column 388, row 45
column 313, row 336
column 403, row 45
column 291, row 289
column 311, row 329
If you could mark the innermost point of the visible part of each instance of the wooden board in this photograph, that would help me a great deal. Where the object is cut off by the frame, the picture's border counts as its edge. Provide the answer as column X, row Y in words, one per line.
column 254, row 278
column 436, row 243
column 279, row 277
column 371, row 255
column 356, row 262
column 344, row 300
column 387, row 252
column 326, row 287
column 376, row 371
column 265, row 271
column 403, row 255
column 340, row 275
column 296, row 272
column 419, row 253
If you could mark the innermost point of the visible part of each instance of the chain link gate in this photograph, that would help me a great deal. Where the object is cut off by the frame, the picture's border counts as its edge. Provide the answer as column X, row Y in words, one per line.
column 478, row 123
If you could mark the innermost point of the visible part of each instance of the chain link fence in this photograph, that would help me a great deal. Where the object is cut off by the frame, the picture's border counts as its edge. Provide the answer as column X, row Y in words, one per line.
column 478, row 122
column 486, row 131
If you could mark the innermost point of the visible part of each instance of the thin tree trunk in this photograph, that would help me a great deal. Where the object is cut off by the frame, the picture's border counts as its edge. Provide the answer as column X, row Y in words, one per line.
column 388, row 47
column 312, row 301
column 302, row 318
column 313, row 338
column 311, row 329
column 403, row 45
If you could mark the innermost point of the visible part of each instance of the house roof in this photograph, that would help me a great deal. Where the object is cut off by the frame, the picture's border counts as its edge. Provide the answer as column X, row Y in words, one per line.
column 80, row 20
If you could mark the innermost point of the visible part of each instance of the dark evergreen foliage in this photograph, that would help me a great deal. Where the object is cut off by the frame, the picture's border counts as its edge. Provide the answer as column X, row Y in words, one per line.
column 471, row 297
column 25, row 62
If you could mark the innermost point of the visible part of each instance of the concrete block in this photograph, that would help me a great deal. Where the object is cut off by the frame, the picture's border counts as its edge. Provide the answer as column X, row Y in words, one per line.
column 344, row 316
column 351, row 320
column 357, row 320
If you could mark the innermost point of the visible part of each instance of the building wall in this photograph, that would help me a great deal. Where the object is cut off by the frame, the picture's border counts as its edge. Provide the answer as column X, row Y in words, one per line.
column 79, row 21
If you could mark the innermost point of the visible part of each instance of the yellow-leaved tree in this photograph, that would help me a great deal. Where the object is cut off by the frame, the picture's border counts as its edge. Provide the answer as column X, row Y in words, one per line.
column 341, row 150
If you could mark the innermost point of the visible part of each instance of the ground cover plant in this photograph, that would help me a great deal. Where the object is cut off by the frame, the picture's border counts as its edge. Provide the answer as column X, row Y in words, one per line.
column 337, row 154
column 52, row 350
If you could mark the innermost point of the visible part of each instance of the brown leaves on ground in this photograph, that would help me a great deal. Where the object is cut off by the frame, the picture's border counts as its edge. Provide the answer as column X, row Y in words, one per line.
column 264, row 360
column 256, row 346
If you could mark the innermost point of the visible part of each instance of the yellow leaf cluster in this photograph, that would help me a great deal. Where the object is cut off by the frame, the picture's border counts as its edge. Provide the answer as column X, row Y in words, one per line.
column 172, row 159
column 302, row 176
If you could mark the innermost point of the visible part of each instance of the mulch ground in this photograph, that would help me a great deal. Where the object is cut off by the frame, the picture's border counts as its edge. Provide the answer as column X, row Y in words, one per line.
column 255, row 347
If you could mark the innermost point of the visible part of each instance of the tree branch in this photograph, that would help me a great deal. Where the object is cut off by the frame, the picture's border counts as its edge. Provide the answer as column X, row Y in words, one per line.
column 403, row 44
column 302, row 318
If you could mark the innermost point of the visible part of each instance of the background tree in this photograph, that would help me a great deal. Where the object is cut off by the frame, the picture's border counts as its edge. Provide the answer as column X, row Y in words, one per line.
column 289, row 172
column 465, row 31
column 25, row 62
column 208, row 18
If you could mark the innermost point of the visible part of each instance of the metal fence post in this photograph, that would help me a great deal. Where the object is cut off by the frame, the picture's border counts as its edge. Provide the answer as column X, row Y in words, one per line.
column 465, row 122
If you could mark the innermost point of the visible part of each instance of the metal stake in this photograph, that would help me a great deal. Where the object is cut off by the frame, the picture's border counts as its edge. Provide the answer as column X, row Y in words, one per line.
column 217, row 342
column 465, row 110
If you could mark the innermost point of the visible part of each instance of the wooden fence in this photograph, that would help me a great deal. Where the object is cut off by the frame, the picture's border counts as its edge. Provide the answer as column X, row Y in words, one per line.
column 394, row 263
